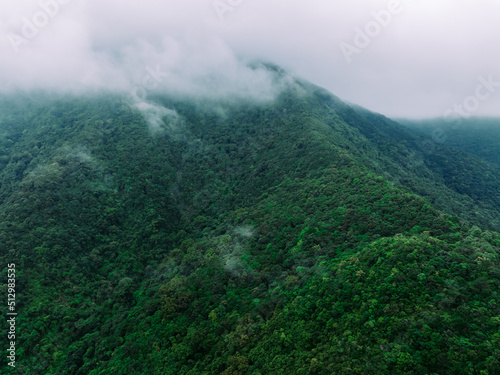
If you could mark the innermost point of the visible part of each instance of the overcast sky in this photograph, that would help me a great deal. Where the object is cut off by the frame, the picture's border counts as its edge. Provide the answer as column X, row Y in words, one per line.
column 407, row 58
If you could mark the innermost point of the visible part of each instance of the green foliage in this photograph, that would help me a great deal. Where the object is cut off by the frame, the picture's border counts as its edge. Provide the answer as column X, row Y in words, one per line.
column 246, row 239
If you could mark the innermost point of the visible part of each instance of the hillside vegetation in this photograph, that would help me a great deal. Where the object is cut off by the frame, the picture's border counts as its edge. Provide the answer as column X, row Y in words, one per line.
column 476, row 136
column 302, row 236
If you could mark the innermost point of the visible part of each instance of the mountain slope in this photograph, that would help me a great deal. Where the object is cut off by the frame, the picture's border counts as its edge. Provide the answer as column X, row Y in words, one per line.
column 216, row 238
column 476, row 136
column 453, row 181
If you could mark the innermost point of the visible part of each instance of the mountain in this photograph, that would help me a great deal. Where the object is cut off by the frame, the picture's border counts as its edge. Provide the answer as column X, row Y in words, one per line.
column 476, row 136
column 299, row 236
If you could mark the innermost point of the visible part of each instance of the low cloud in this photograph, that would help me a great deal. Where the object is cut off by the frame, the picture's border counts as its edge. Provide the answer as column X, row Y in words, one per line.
column 78, row 46
column 245, row 231
column 426, row 58
column 158, row 118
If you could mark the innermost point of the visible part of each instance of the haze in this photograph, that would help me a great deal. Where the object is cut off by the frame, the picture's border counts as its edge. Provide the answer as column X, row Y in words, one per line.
column 424, row 57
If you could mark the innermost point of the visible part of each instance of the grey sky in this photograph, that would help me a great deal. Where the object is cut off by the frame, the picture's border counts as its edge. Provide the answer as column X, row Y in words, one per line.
column 426, row 58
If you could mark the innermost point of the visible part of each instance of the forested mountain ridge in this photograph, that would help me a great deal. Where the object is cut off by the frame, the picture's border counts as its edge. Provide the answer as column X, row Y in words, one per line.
column 452, row 180
column 475, row 135
column 243, row 238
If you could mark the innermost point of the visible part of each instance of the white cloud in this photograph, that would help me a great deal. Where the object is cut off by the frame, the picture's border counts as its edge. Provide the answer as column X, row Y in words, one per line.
column 425, row 60
column 158, row 118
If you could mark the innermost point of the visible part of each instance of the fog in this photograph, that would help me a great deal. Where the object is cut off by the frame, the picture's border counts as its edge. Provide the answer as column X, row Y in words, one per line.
column 400, row 58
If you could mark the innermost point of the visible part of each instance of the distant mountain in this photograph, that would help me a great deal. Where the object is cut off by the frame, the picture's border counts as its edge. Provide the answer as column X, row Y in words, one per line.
column 299, row 236
column 476, row 136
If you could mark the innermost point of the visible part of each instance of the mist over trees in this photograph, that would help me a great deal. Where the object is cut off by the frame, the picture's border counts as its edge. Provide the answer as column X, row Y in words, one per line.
column 298, row 235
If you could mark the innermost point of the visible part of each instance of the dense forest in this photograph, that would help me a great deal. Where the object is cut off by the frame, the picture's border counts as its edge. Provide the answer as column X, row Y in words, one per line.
column 474, row 135
column 298, row 236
